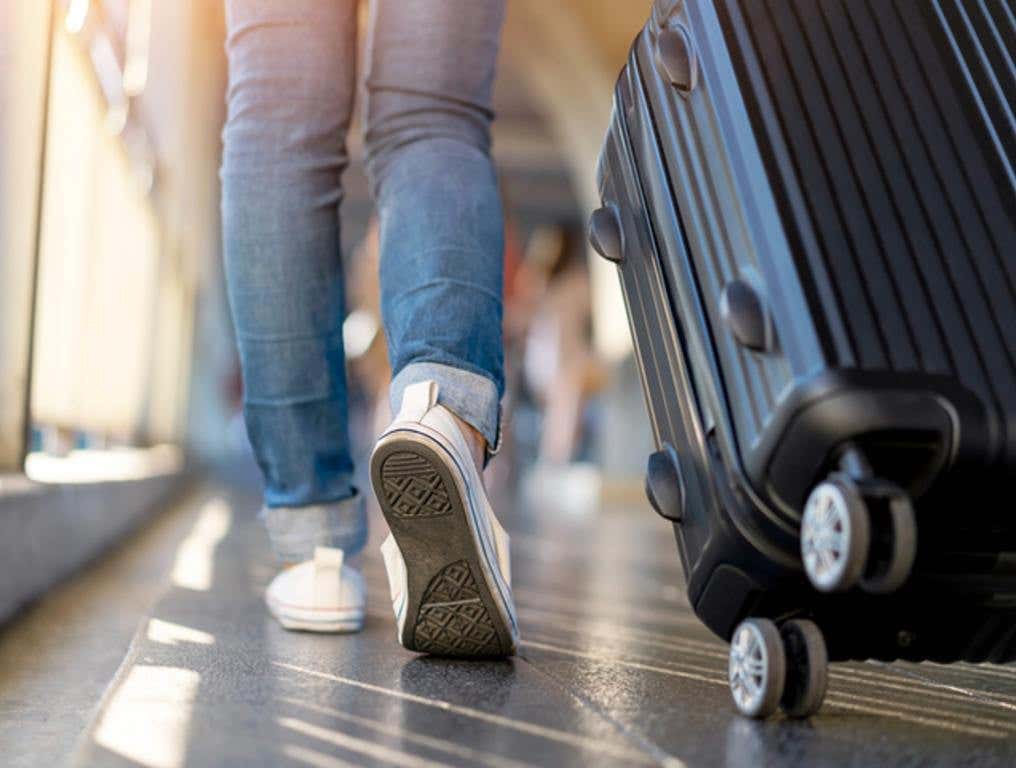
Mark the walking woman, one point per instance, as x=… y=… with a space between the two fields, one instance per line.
x=292 y=82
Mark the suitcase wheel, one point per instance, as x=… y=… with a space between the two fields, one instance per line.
x=895 y=550
x=758 y=668
x=807 y=668
x=774 y=668
x=835 y=535
x=858 y=533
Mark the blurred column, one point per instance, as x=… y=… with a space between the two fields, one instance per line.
x=570 y=52
x=24 y=66
x=185 y=107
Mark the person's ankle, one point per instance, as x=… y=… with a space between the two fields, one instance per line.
x=477 y=443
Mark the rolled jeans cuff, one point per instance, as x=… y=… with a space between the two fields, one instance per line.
x=470 y=396
x=294 y=532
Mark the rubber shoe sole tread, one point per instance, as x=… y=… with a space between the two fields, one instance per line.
x=451 y=610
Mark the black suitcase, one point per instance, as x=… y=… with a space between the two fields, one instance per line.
x=812 y=206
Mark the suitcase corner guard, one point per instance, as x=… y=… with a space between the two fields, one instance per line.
x=665 y=484
x=605 y=234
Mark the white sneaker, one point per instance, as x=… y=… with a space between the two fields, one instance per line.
x=319 y=595
x=447 y=555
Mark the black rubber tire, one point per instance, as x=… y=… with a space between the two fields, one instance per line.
x=807 y=668
x=904 y=546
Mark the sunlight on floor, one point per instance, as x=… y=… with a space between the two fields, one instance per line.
x=194 y=558
x=148 y=718
x=168 y=633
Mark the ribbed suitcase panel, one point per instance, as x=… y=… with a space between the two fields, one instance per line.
x=879 y=227
x=981 y=35
x=908 y=191
x=694 y=187
x=702 y=153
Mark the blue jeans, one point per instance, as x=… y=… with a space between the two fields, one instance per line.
x=292 y=82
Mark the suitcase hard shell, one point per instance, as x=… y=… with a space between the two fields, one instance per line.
x=812 y=206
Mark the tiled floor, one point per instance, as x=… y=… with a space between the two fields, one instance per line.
x=614 y=669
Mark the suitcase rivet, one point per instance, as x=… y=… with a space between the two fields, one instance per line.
x=605 y=233
x=745 y=315
x=675 y=56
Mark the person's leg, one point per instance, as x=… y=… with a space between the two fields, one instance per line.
x=442 y=240
x=291 y=90
x=429 y=87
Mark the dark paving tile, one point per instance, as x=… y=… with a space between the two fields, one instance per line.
x=613 y=670
x=260 y=695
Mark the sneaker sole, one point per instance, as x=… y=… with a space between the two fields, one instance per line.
x=452 y=609
x=331 y=622
x=324 y=627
